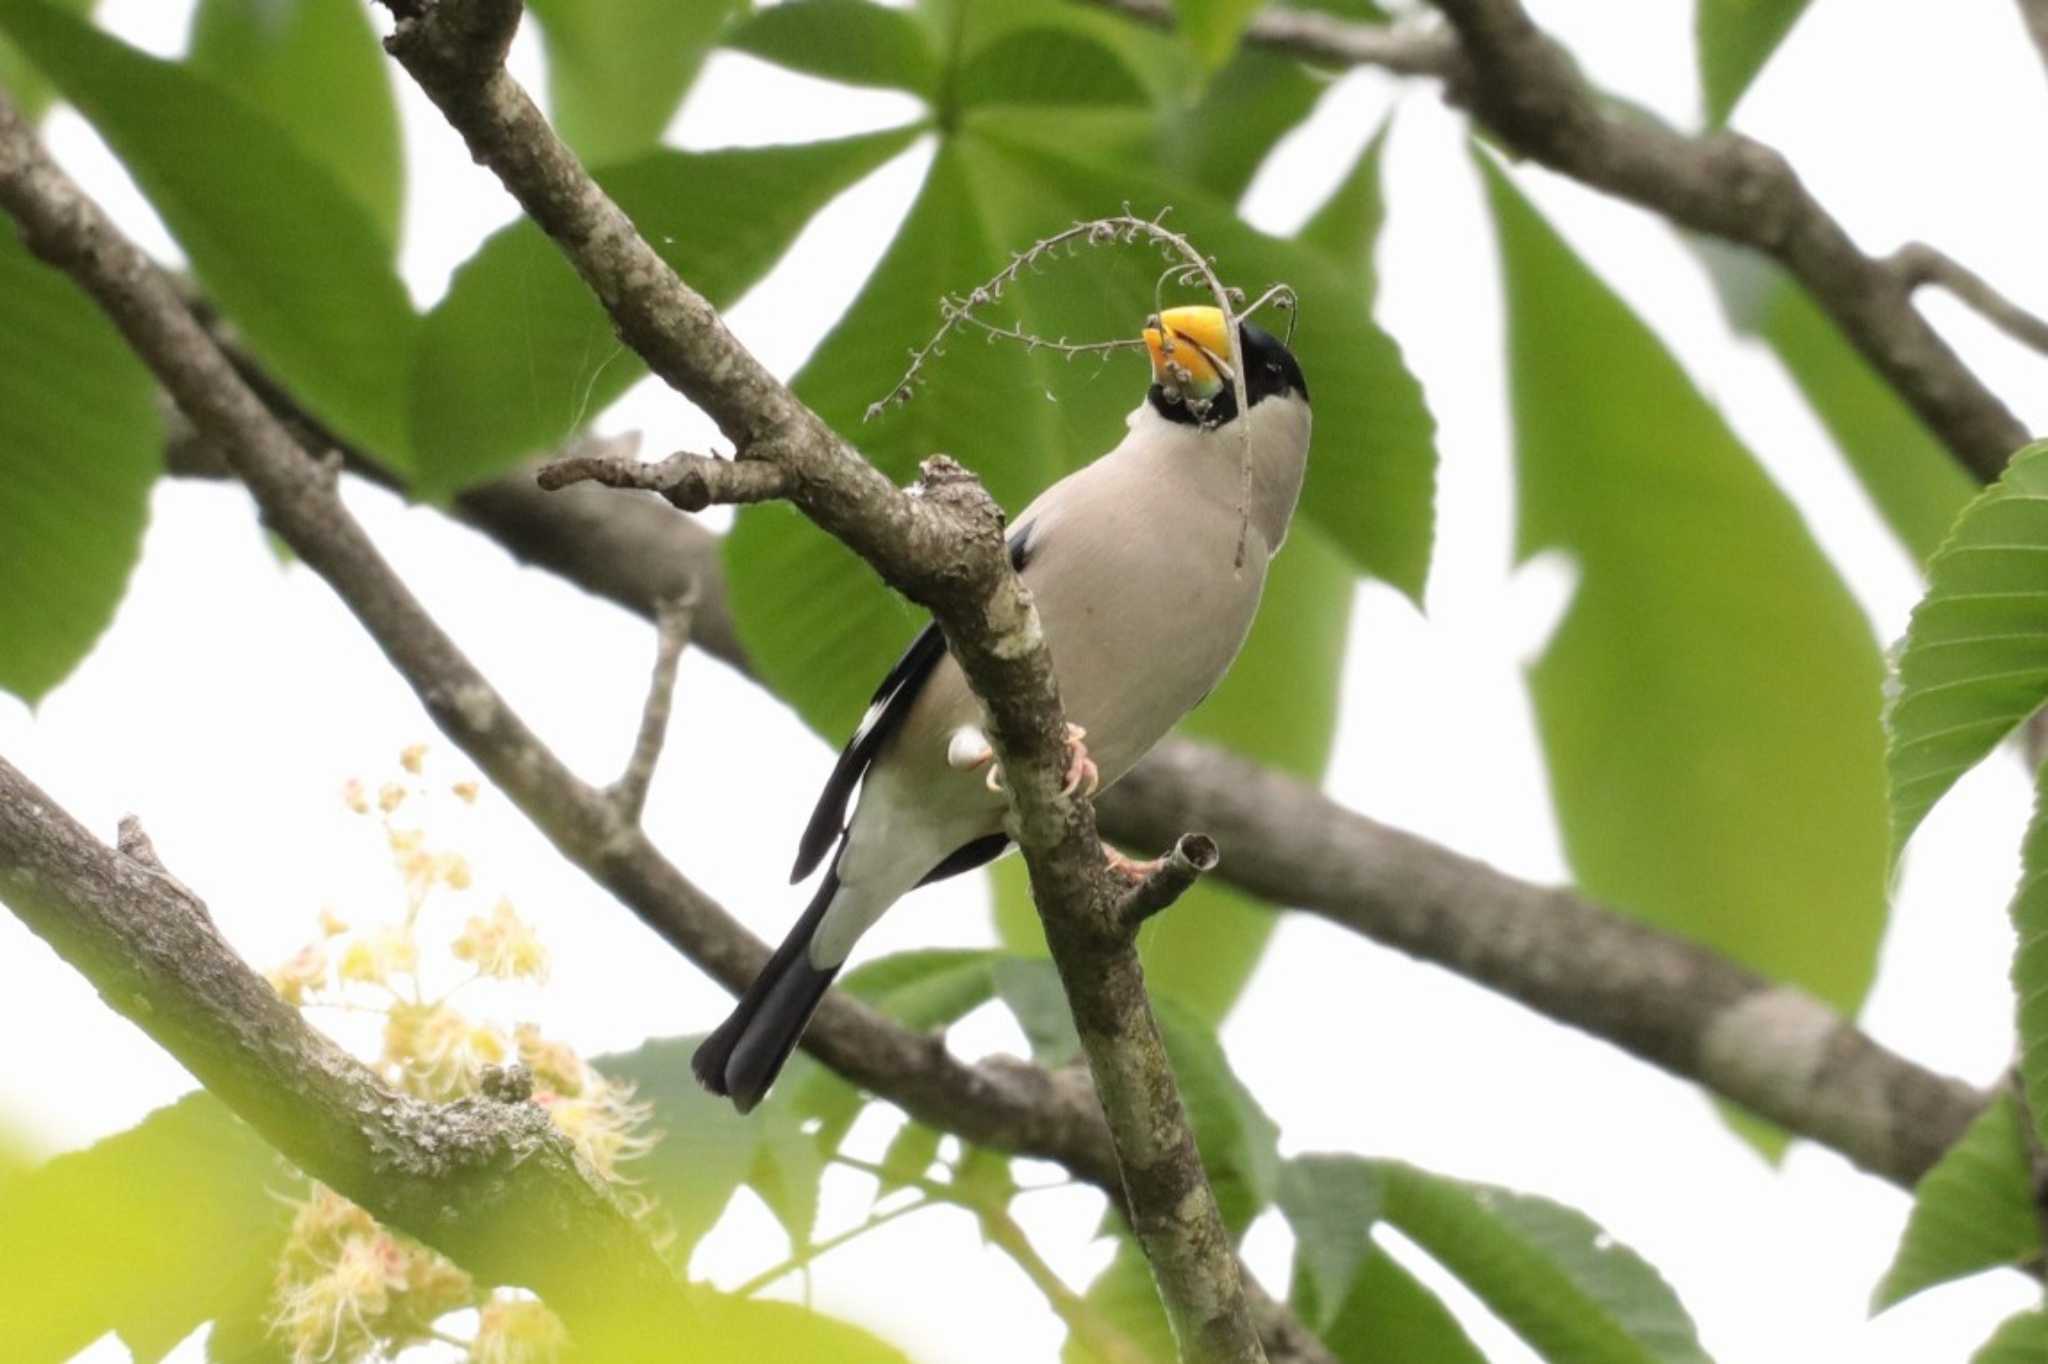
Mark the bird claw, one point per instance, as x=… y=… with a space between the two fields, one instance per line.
x=1082 y=773
x=1130 y=869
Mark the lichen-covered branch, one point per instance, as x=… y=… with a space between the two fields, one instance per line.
x=1654 y=995
x=944 y=549
x=1526 y=89
x=492 y=1184
x=672 y=633
x=1769 y=1047
x=1917 y=263
x=689 y=482
x=1529 y=94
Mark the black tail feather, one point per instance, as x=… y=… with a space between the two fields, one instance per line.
x=744 y=1054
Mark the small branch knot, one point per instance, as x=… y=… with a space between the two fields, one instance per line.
x=951 y=488
x=134 y=843
x=458 y=38
x=510 y=1084
x=1192 y=857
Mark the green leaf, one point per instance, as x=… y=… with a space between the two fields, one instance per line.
x=1975 y=662
x=2020 y=1339
x=789 y=1163
x=1736 y=38
x=1209 y=138
x=1331 y=1203
x=1567 y=1288
x=706 y=1150
x=927 y=990
x=1346 y=1288
x=1240 y=1144
x=1219 y=141
x=1347 y=226
x=909 y=1157
x=1213 y=27
x=19 y=79
x=316 y=68
x=850 y=41
x=80 y=447
x=1389 y=1315
x=1918 y=487
x=149 y=1233
x=287 y=253
x=966 y=28
x=518 y=355
x=1973 y=1211
x=1031 y=987
x=2030 y=956
x=241 y=1334
x=749 y=1328
x=617 y=69
x=1708 y=706
x=1125 y=1296
x=932 y=988
x=983 y=1177
x=1049 y=66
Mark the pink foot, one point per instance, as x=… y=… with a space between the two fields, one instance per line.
x=1128 y=868
x=1082 y=773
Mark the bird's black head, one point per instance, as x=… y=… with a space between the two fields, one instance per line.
x=1187 y=383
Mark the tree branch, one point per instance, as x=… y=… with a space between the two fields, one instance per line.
x=1916 y=264
x=1889 y=1115
x=2035 y=13
x=1654 y=995
x=945 y=547
x=492 y=1184
x=689 y=482
x=1528 y=93
x=1191 y=856
x=672 y=632
x=1326 y=40
x=1769 y=1047
x=1886 y=1113
x=941 y=547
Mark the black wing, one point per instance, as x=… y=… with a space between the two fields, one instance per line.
x=885 y=716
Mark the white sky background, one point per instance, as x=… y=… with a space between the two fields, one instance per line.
x=233 y=696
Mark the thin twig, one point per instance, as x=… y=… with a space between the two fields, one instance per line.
x=2035 y=13
x=1103 y=1338
x=691 y=482
x=1324 y=39
x=1529 y=94
x=1117 y=228
x=477 y=1179
x=1032 y=341
x=672 y=633
x=1192 y=855
x=805 y=1254
x=1917 y=263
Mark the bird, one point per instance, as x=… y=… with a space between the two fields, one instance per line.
x=1145 y=593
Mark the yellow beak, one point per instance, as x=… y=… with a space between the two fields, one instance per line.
x=1190 y=351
